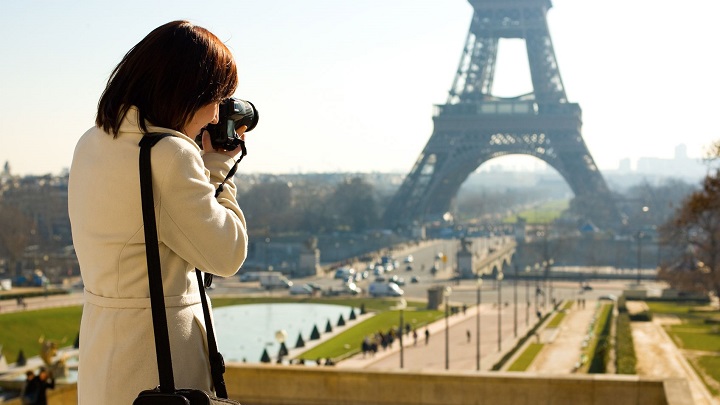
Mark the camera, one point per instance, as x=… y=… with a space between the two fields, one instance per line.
x=233 y=114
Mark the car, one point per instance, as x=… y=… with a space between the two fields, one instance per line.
x=345 y=289
x=385 y=289
x=398 y=280
x=608 y=297
x=409 y=259
x=301 y=289
x=408 y=268
x=344 y=273
x=379 y=270
x=250 y=276
x=314 y=286
x=414 y=280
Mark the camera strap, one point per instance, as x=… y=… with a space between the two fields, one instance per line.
x=160 y=326
x=234 y=168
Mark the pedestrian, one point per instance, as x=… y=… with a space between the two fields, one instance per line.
x=41 y=383
x=171 y=82
x=427 y=336
x=467 y=333
x=29 y=391
x=414 y=335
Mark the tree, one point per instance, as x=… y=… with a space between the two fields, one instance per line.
x=693 y=238
x=354 y=205
x=16 y=234
x=269 y=205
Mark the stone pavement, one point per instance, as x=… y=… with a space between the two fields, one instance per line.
x=563 y=345
x=559 y=356
x=658 y=356
x=462 y=354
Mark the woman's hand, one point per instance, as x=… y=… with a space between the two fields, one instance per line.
x=207 y=144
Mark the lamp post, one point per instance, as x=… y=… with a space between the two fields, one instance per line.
x=446 y=295
x=550 y=282
x=401 y=305
x=527 y=297
x=640 y=236
x=544 y=284
x=515 y=301
x=537 y=286
x=499 y=286
x=267 y=244
x=477 y=324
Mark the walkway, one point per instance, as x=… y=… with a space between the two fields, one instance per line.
x=462 y=353
x=658 y=356
x=563 y=345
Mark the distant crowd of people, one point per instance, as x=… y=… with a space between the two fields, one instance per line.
x=35 y=390
x=384 y=340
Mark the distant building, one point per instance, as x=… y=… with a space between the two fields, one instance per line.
x=680 y=166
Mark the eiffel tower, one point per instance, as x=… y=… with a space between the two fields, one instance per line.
x=474 y=126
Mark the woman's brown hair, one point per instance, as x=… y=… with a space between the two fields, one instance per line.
x=175 y=70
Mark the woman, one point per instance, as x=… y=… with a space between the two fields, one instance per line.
x=171 y=82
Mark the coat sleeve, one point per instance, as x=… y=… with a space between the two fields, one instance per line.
x=209 y=233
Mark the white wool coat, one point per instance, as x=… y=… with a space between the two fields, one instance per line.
x=195 y=229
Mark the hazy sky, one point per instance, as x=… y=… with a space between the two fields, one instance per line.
x=345 y=85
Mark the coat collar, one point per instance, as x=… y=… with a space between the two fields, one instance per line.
x=130 y=126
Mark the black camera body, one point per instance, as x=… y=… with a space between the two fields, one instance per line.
x=234 y=113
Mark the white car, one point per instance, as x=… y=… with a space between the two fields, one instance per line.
x=301 y=289
x=380 y=289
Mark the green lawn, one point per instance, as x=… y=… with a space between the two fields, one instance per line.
x=695 y=334
x=526 y=358
x=544 y=214
x=348 y=342
x=711 y=366
x=22 y=330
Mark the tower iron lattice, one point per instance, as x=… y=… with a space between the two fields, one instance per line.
x=474 y=126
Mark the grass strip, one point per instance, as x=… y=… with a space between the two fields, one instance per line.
x=599 y=346
x=625 y=360
x=526 y=358
x=557 y=319
x=349 y=341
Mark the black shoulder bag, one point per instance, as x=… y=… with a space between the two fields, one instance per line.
x=166 y=393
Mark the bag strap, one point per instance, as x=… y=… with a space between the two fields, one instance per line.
x=157 y=301
x=157 y=296
x=217 y=363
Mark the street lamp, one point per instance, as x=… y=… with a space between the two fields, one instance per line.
x=446 y=295
x=550 y=289
x=477 y=324
x=499 y=286
x=515 y=301
x=640 y=236
x=401 y=305
x=537 y=286
x=527 y=296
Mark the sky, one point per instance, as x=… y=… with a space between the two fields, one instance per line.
x=349 y=86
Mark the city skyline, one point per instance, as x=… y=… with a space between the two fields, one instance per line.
x=349 y=87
